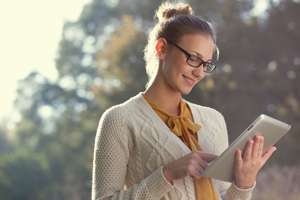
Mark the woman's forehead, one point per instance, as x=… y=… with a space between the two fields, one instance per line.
x=200 y=44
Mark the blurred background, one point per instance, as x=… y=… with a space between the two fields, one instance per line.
x=64 y=62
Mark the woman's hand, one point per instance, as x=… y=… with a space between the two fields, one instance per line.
x=250 y=161
x=192 y=164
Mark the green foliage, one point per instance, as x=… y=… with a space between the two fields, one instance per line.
x=23 y=175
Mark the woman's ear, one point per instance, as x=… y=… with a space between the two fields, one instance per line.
x=161 y=48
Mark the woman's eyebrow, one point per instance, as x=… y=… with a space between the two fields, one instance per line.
x=198 y=54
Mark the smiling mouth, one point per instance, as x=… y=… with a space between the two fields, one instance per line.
x=189 y=80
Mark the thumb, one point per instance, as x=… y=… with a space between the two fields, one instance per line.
x=268 y=153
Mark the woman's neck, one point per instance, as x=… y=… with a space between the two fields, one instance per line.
x=164 y=96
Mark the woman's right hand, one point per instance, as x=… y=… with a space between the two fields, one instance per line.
x=192 y=164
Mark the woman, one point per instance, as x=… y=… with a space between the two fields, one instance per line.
x=156 y=144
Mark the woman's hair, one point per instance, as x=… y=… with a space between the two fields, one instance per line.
x=174 y=21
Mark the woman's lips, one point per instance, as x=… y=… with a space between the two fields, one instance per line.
x=189 y=80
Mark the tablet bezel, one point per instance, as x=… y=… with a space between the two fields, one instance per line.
x=272 y=130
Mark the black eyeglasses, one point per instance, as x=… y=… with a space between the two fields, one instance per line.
x=196 y=61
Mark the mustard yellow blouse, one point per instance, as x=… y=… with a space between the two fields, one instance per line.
x=184 y=127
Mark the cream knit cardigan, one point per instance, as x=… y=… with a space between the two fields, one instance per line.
x=132 y=145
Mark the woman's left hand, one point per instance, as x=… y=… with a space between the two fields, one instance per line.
x=250 y=161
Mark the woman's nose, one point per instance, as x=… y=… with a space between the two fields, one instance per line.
x=198 y=72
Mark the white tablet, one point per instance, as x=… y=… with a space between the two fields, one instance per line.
x=272 y=129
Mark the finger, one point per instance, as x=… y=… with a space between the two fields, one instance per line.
x=255 y=147
x=202 y=163
x=207 y=156
x=261 y=145
x=268 y=154
x=199 y=160
x=248 y=150
x=200 y=171
x=238 y=161
x=191 y=171
x=195 y=171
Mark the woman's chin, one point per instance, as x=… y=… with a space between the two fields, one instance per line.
x=186 y=90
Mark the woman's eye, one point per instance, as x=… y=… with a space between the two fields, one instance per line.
x=194 y=58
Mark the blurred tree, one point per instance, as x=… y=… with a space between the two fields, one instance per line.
x=5 y=145
x=23 y=175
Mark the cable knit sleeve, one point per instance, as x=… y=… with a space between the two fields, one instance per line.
x=111 y=154
x=227 y=190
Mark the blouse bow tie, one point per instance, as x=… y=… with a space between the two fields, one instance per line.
x=180 y=124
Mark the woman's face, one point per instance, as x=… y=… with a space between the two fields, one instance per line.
x=179 y=75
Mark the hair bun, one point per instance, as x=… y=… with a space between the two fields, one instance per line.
x=168 y=10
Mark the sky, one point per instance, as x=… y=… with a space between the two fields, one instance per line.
x=29 y=38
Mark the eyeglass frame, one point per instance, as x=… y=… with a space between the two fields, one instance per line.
x=202 y=62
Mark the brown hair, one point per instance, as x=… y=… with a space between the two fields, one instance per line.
x=174 y=21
